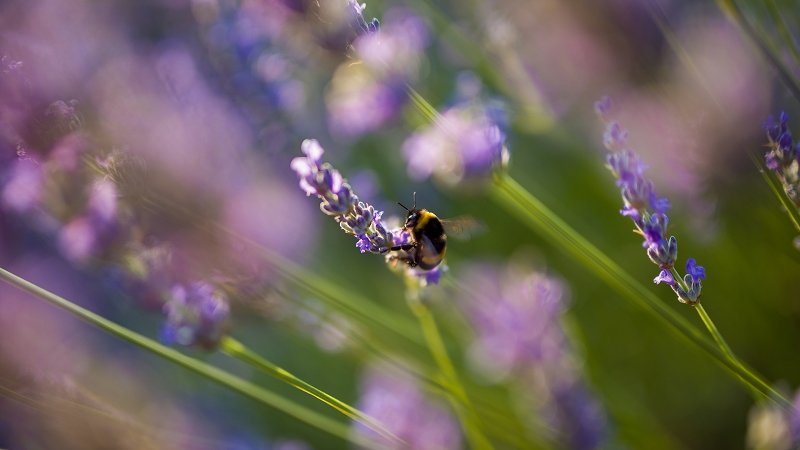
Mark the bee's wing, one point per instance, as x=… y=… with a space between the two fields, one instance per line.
x=463 y=227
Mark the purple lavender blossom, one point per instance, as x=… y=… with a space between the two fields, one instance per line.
x=517 y=318
x=665 y=276
x=338 y=200
x=364 y=97
x=647 y=210
x=783 y=155
x=196 y=315
x=323 y=180
x=464 y=144
x=399 y=403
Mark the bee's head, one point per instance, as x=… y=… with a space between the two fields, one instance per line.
x=413 y=213
x=412 y=218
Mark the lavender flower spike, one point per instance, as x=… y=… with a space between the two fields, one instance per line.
x=783 y=156
x=647 y=210
x=338 y=200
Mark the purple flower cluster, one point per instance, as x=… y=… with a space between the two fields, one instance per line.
x=399 y=403
x=647 y=210
x=338 y=200
x=517 y=320
x=783 y=156
x=196 y=315
x=466 y=143
x=519 y=337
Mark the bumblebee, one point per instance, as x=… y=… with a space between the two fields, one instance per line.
x=428 y=238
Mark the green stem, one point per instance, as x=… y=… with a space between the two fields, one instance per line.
x=712 y=329
x=775 y=186
x=237 y=350
x=461 y=401
x=722 y=344
x=541 y=219
x=213 y=373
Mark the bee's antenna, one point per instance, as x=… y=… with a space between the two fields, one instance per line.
x=415 y=204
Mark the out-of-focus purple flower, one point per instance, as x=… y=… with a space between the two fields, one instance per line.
x=196 y=315
x=603 y=106
x=516 y=319
x=23 y=190
x=85 y=235
x=770 y=426
x=399 y=403
x=614 y=137
x=647 y=210
x=464 y=144
x=783 y=156
x=359 y=103
x=396 y=50
x=578 y=417
x=519 y=337
x=364 y=97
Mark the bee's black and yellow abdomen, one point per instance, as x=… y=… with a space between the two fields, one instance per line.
x=428 y=233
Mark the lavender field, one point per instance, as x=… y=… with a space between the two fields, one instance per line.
x=410 y=224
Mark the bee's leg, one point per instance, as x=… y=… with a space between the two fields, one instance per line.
x=407 y=254
x=406 y=247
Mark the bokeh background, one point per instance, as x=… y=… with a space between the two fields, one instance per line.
x=132 y=133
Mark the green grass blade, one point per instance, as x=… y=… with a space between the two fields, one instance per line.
x=450 y=380
x=233 y=382
x=239 y=351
